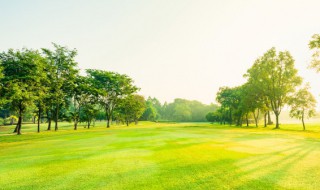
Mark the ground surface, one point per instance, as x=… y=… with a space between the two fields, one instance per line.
x=161 y=156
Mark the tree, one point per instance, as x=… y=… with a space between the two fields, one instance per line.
x=63 y=73
x=213 y=116
x=314 y=44
x=150 y=113
x=302 y=105
x=112 y=88
x=23 y=71
x=131 y=108
x=252 y=100
x=84 y=96
x=230 y=99
x=276 y=78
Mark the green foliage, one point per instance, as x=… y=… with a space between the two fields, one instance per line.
x=23 y=71
x=112 y=87
x=314 y=45
x=213 y=116
x=131 y=108
x=302 y=104
x=275 y=76
x=62 y=73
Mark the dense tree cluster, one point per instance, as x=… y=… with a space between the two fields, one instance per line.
x=272 y=83
x=179 y=110
x=47 y=84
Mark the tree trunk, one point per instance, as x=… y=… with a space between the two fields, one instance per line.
x=89 y=122
x=49 y=124
x=247 y=119
x=57 y=117
x=19 y=122
x=16 y=129
x=19 y=126
x=302 y=119
x=39 y=116
x=265 y=119
x=277 y=121
x=256 y=117
x=108 y=119
x=269 y=119
x=75 y=125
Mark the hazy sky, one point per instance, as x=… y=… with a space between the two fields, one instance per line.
x=172 y=48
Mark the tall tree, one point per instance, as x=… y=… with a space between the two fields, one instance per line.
x=62 y=76
x=275 y=76
x=112 y=88
x=302 y=105
x=23 y=72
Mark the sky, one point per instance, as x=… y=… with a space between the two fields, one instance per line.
x=171 y=48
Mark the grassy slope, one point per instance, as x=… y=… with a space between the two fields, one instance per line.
x=161 y=156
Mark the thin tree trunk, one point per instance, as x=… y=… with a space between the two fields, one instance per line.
x=19 y=122
x=39 y=116
x=256 y=117
x=277 y=121
x=265 y=119
x=302 y=119
x=247 y=119
x=269 y=119
x=75 y=125
x=49 y=124
x=16 y=128
x=57 y=117
x=19 y=126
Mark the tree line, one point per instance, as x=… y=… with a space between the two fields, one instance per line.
x=180 y=110
x=46 y=86
x=272 y=83
x=47 y=83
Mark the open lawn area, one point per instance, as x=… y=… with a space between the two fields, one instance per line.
x=161 y=156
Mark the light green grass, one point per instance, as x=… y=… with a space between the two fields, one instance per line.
x=161 y=156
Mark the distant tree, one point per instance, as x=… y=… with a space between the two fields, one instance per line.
x=182 y=111
x=213 y=116
x=229 y=99
x=150 y=113
x=302 y=105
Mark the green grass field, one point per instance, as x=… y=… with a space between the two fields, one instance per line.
x=161 y=156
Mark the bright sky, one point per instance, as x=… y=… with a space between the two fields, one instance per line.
x=171 y=48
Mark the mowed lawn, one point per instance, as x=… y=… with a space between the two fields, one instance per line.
x=161 y=156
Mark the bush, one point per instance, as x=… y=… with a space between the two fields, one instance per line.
x=1 y=121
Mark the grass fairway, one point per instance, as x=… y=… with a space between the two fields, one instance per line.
x=161 y=156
